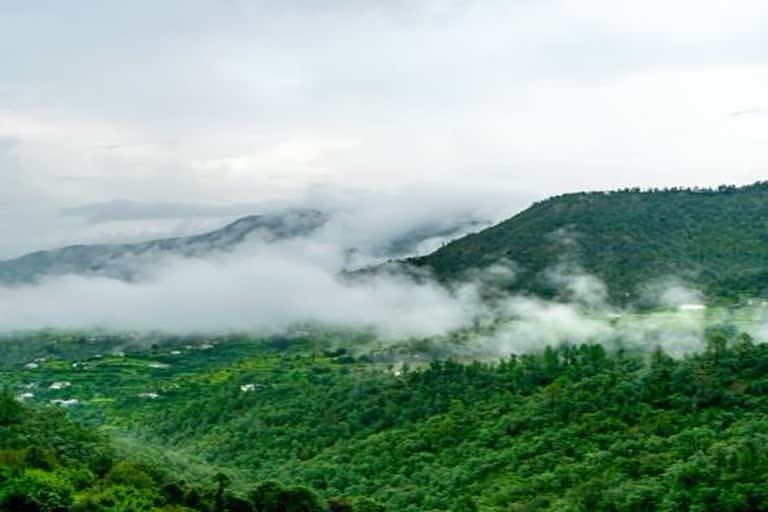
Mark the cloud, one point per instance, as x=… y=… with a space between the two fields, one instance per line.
x=125 y=210
x=750 y=112
x=403 y=118
x=376 y=224
x=407 y=220
x=670 y=291
x=274 y=288
x=249 y=102
x=266 y=289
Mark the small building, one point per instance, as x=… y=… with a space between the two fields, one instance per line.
x=60 y=385
x=65 y=403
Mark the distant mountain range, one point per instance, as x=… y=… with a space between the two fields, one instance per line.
x=131 y=260
x=126 y=261
x=713 y=239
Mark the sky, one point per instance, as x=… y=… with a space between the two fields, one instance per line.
x=121 y=120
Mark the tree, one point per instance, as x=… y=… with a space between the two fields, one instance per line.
x=11 y=411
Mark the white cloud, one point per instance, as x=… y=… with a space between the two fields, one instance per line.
x=266 y=289
x=253 y=101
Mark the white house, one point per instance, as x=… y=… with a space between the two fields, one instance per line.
x=66 y=403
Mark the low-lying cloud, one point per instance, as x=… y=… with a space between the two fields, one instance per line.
x=264 y=288
x=271 y=288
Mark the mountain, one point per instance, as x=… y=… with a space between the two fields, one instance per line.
x=425 y=238
x=124 y=261
x=129 y=261
x=713 y=239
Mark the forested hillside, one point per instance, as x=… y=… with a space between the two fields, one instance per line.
x=714 y=239
x=575 y=428
x=48 y=463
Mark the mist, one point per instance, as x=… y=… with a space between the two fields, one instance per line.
x=270 y=288
x=263 y=288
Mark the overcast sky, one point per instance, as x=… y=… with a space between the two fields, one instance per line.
x=182 y=110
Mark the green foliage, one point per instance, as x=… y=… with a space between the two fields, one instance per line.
x=50 y=464
x=713 y=238
x=272 y=496
x=10 y=411
x=36 y=491
x=572 y=428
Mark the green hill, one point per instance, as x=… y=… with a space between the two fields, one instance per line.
x=714 y=239
x=573 y=428
x=49 y=463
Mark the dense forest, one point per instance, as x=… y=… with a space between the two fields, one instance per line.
x=573 y=427
x=49 y=463
x=714 y=239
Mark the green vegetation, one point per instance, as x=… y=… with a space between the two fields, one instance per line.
x=715 y=239
x=572 y=428
x=48 y=463
x=334 y=422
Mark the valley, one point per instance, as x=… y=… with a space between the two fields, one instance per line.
x=500 y=386
x=575 y=426
x=404 y=256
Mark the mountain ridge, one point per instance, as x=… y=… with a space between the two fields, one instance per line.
x=128 y=261
x=119 y=260
x=713 y=239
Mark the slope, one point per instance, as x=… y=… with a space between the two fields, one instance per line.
x=48 y=463
x=571 y=428
x=716 y=239
x=125 y=261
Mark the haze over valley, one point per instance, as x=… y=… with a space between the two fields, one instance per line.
x=417 y=256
